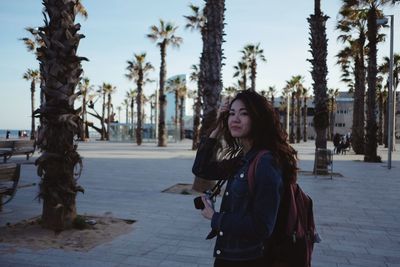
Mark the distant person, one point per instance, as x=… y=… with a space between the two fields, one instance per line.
x=336 y=143
x=19 y=134
x=8 y=134
x=248 y=125
x=344 y=144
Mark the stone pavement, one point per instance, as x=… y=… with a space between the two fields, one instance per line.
x=357 y=215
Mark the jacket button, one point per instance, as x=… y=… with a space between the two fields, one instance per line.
x=241 y=175
x=227 y=193
x=221 y=233
x=218 y=252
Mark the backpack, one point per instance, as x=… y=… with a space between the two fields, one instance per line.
x=292 y=240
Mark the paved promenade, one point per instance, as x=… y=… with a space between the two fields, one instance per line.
x=357 y=215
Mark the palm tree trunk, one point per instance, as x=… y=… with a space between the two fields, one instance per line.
x=357 y=136
x=385 y=122
x=244 y=81
x=196 y=120
x=305 y=120
x=380 y=118
x=84 y=126
x=127 y=114
x=108 y=116
x=371 y=141
x=60 y=121
x=162 y=130
x=210 y=72
x=291 y=137
x=139 y=104
x=33 y=127
x=319 y=44
x=103 y=111
x=332 y=120
x=132 y=117
x=298 y=122
x=181 y=121
x=253 y=76
x=176 y=119
x=139 y=124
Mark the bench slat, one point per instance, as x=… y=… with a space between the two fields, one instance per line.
x=10 y=173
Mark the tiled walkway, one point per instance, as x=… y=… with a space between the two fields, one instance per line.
x=357 y=215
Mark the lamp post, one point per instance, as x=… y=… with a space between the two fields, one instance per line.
x=384 y=21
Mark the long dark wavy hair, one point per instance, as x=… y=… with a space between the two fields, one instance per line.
x=266 y=133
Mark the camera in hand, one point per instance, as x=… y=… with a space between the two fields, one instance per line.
x=209 y=195
x=198 y=202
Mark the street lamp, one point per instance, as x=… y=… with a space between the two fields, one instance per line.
x=384 y=21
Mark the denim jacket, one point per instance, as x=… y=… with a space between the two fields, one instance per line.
x=245 y=219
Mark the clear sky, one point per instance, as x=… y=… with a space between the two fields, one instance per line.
x=117 y=29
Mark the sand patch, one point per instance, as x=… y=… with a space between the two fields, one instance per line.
x=30 y=234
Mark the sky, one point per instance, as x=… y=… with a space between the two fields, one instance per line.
x=117 y=29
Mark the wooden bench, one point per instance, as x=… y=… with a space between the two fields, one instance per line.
x=16 y=147
x=24 y=147
x=9 y=176
x=6 y=148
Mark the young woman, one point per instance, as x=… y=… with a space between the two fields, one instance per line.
x=246 y=218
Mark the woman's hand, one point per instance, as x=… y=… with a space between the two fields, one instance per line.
x=223 y=108
x=208 y=210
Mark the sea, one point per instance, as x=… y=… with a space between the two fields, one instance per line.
x=13 y=133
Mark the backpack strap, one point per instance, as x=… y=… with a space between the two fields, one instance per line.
x=252 y=170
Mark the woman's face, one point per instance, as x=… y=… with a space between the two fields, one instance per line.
x=239 y=121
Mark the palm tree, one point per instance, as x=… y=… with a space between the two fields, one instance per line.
x=271 y=94
x=230 y=91
x=384 y=69
x=131 y=95
x=241 y=71
x=110 y=89
x=34 y=77
x=319 y=72
x=164 y=35
x=138 y=70
x=178 y=87
x=119 y=108
x=251 y=53
x=305 y=113
x=125 y=103
x=371 y=144
x=211 y=62
x=85 y=88
x=353 y=25
x=194 y=77
x=292 y=86
x=60 y=121
x=31 y=45
x=372 y=14
x=298 y=95
x=182 y=94
x=385 y=109
x=284 y=107
x=210 y=71
x=380 y=98
x=102 y=91
x=332 y=94
x=197 y=21
x=36 y=41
